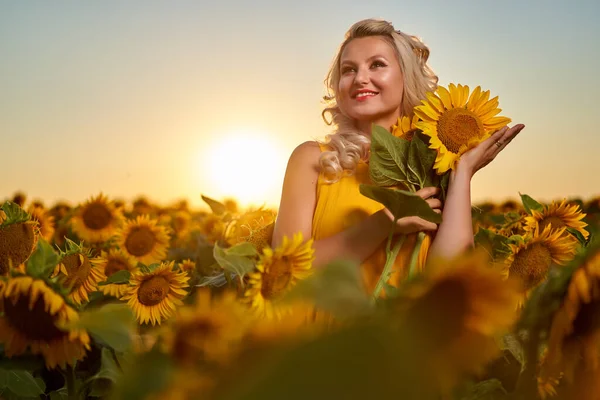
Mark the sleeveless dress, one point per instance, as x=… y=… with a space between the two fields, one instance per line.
x=340 y=205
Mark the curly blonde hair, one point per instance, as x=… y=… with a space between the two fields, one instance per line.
x=349 y=145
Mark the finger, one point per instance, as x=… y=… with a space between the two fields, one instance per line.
x=434 y=203
x=507 y=137
x=428 y=192
x=429 y=226
x=437 y=210
x=489 y=142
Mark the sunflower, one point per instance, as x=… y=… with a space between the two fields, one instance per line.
x=575 y=330
x=246 y=224
x=81 y=276
x=96 y=220
x=17 y=242
x=143 y=239
x=456 y=122
x=213 y=227
x=45 y=221
x=188 y=266
x=180 y=222
x=278 y=271
x=558 y=216
x=471 y=302
x=209 y=331
x=110 y=262
x=531 y=259
x=31 y=314
x=405 y=127
x=153 y=296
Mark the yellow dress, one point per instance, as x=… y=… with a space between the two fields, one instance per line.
x=340 y=205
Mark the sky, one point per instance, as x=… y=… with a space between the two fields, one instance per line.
x=172 y=100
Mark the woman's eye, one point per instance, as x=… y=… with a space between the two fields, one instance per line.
x=377 y=64
x=346 y=70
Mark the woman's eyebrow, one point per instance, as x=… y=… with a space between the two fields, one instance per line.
x=346 y=61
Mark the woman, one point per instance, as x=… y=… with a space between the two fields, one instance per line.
x=378 y=75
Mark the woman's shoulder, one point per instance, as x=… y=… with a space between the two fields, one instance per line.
x=308 y=154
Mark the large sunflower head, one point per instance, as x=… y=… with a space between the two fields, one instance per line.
x=241 y=228
x=575 y=330
x=208 y=331
x=531 y=259
x=144 y=239
x=154 y=294
x=45 y=221
x=455 y=309
x=456 y=122
x=18 y=237
x=31 y=313
x=405 y=127
x=96 y=220
x=557 y=215
x=111 y=261
x=278 y=271
x=79 y=274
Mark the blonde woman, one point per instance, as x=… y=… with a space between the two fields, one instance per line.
x=378 y=74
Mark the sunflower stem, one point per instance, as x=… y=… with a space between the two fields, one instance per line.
x=526 y=387
x=389 y=262
x=414 y=257
x=70 y=383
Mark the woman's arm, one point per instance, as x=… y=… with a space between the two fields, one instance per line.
x=297 y=206
x=455 y=233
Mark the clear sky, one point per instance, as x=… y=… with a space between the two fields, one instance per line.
x=142 y=97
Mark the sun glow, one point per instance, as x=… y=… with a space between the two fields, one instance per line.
x=246 y=165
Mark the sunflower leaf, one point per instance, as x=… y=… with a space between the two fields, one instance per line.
x=578 y=236
x=530 y=204
x=14 y=213
x=109 y=371
x=217 y=208
x=401 y=203
x=243 y=250
x=387 y=162
x=118 y=277
x=494 y=244
x=336 y=288
x=43 y=260
x=420 y=161
x=234 y=263
x=21 y=383
x=111 y=324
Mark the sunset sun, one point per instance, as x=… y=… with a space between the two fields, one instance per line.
x=247 y=165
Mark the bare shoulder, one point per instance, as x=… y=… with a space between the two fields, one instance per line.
x=307 y=154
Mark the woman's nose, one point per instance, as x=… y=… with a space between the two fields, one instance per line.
x=362 y=76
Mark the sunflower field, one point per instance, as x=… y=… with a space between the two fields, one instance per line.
x=132 y=300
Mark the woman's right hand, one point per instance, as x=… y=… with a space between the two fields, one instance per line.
x=413 y=224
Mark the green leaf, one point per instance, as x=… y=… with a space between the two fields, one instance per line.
x=389 y=154
x=22 y=383
x=420 y=161
x=151 y=374
x=578 y=236
x=108 y=374
x=510 y=343
x=496 y=245
x=243 y=250
x=336 y=287
x=401 y=203
x=43 y=260
x=60 y=394
x=216 y=207
x=22 y=362
x=444 y=182
x=111 y=324
x=530 y=204
x=234 y=263
x=14 y=213
x=118 y=277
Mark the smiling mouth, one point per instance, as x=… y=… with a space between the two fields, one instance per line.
x=365 y=95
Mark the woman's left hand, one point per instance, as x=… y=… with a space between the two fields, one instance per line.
x=483 y=154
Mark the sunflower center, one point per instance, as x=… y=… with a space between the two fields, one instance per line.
x=276 y=279
x=96 y=216
x=531 y=264
x=140 y=241
x=457 y=126
x=114 y=265
x=16 y=244
x=153 y=291
x=556 y=223
x=78 y=270
x=34 y=323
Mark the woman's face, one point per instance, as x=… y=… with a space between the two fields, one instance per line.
x=371 y=82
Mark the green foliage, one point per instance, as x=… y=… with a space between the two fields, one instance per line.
x=530 y=204
x=420 y=162
x=401 y=203
x=43 y=260
x=235 y=260
x=14 y=213
x=387 y=163
x=108 y=374
x=217 y=208
x=336 y=287
x=21 y=383
x=110 y=324
x=119 y=277
x=580 y=238
x=491 y=241
x=151 y=373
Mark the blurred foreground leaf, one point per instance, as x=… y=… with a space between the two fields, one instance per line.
x=150 y=373
x=43 y=260
x=21 y=383
x=401 y=203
